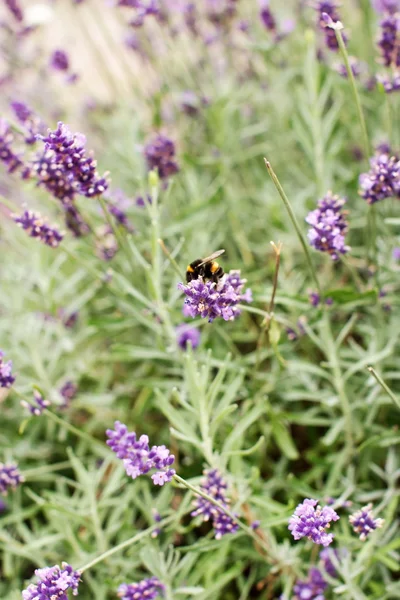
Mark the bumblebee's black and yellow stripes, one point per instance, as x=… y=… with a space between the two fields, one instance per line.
x=207 y=268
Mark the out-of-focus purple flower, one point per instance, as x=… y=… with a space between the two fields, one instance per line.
x=185 y=334
x=396 y=253
x=390 y=84
x=53 y=583
x=328 y=226
x=211 y=300
x=312 y=588
x=137 y=456
x=74 y=162
x=140 y=201
x=266 y=16
x=160 y=155
x=329 y=8
x=10 y=478
x=310 y=520
x=386 y=6
x=32 y=124
x=382 y=180
x=314 y=298
x=74 y=221
x=355 y=65
x=53 y=176
x=157 y=518
x=68 y=392
x=59 y=60
x=327 y=555
x=190 y=103
x=148 y=589
x=6 y=376
x=220 y=12
x=38 y=406
x=36 y=226
x=389 y=40
x=118 y=205
x=68 y=319
x=106 y=243
x=7 y=154
x=214 y=485
x=15 y=9
x=363 y=522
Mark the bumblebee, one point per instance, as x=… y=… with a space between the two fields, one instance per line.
x=206 y=268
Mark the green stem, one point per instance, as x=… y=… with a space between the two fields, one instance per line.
x=384 y=386
x=248 y=530
x=331 y=352
x=295 y=224
x=132 y=540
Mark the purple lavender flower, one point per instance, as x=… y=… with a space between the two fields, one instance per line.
x=7 y=155
x=328 y=7
x=53 y=176
x=15 y=9
x=106 y=243
x=314 y=298
x=389 y=40
x=59 y=60
x=68 y=392
x=312 y=588
x=38 y=406
x=140 y=201
x=137 y=457
x=32 y=124
x=308 y=521
x=74 y=221
x=382 y=180
x=190 y=103
x=255 y=524
x=68 y=319
x=386 y=6
x=390 y=84
x=6 y=376
x=160 y=155
x=73 y=161
x=118 y=209
x=266 y=16
x=396 y=253
x=157 y=518
x=53 y=583
x=212 y=300
x=363 y=522
x=326 y=557
x=185 y=334
x=10 y=478
x=37 y=227
x=148 y=589
x=355 y=65
x=214 y=485
x=328 y=226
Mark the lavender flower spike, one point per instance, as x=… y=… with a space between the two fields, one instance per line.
x=160 y=155
x=312 y=588
x=310 y=520
x=37 y=227
x=38 y=406
x=211 y=300
x=53 y=583
x=185 y=334
x=363 y=522
x=148 y=589
x=6 y=376
x=214 y=485
x=137 y=457
x=382 y=180
x=328 y=16
x=10 y=478
x=328 y=226
x=7 y=155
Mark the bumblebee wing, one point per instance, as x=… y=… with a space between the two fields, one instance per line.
x=212 y=257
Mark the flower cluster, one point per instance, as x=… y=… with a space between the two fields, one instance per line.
x=329 y=8
x=214 y=485
x=160 y=155
x=59 y=60
x=312 y=588
x=185 y=334
x=310 y=520
x=211 y=300
x=137 y=457
x=390 y=84
x=37 y=408
x=6 y=376
x=328 y=226
x=363 y=522
x=386 y=6
x=382 y=180
x=37 y=227
x=148 y=589
x=15 y=9
x=389 y=40
x=266 y=16
x=29 y=120
x=53 y=583
x=7 y=154
x=10 y=478
x=68 y=392
x=76 y=165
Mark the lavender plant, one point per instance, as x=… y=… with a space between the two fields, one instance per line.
x=269 y=390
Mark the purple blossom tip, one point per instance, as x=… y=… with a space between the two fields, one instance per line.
x=310 y=520
x=147 y=589
x=328 y=20
x=160 y=155
x=137 y=456
x=328 y=226
x=59 y=60
x=364 y=522
x=10 y=478
x=186 y=334
x=312 y=588
x=53 y=583
x=37 y=227
x=38 y=406
x=6 y=377
x=382 y=180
